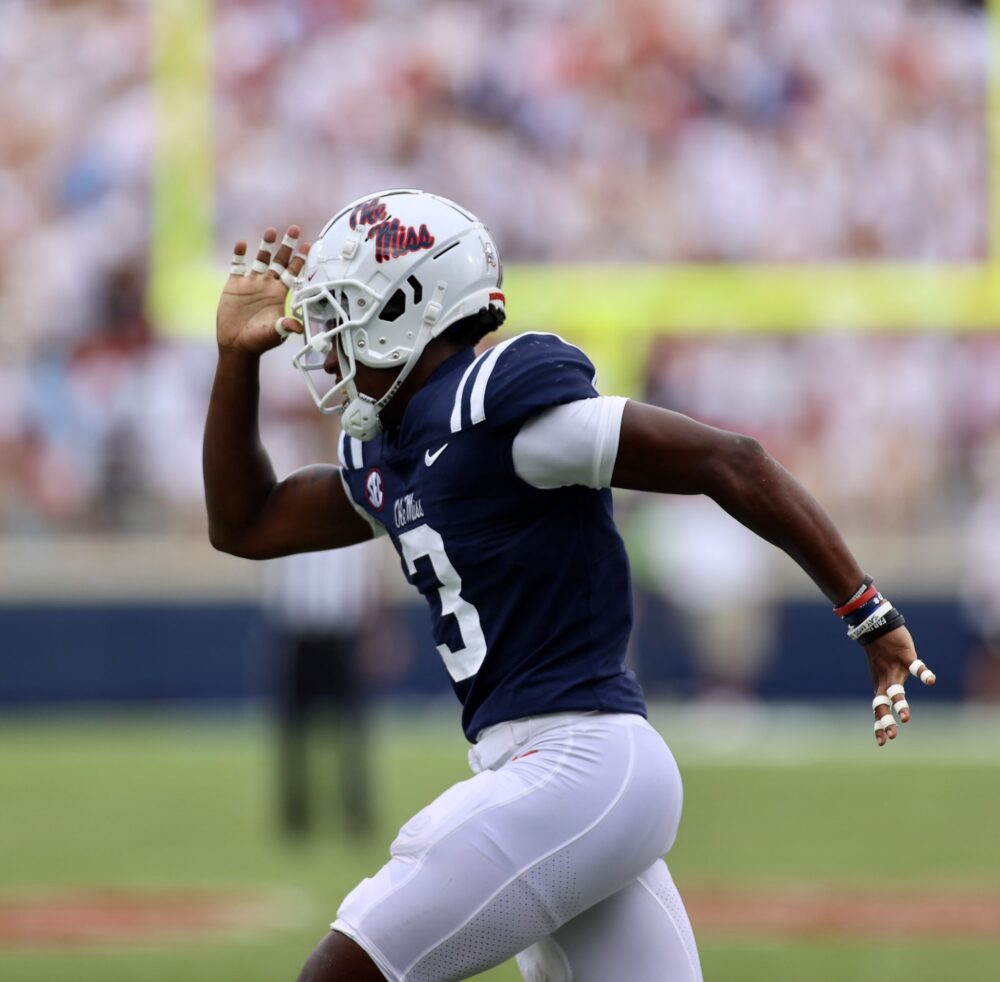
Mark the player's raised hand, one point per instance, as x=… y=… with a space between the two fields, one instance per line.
x=252 y=306
x=892 y=658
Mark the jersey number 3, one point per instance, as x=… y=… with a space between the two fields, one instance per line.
x=465 y=662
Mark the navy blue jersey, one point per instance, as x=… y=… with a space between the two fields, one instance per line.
x=529 y=590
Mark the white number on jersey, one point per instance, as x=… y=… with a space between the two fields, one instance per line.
x=424 y=541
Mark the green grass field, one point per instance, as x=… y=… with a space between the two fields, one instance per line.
x=771 y=800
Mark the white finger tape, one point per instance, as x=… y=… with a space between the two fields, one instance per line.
x=238 y=269
x=895 y=690
x=267 y=247
x=276 y=268
x=290 y=240
x=921 y=671
x=279 y=327
x=259 y=266
x=881 y=701
x=288 y=279
x=884 y=722
x=901 y=705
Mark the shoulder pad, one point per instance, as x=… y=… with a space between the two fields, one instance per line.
x=519 y=378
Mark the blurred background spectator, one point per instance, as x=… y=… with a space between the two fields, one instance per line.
x=317 y=605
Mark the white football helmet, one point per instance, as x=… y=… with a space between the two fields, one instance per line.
x=388 y=273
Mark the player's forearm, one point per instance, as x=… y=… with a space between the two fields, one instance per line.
x=758 y=492
x=238 y=474
x=667 y=452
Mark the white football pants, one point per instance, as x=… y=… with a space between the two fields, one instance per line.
x=551 y=853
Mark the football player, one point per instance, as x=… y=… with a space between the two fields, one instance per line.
x=491 y=474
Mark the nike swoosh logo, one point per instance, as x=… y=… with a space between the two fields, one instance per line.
x=429 y=457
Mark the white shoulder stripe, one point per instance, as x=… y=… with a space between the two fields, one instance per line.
x=456 y=410
x=477 y=401
x=357 y=455
x=340 y=450
x=488 y=360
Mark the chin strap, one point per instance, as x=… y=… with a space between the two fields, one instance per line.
x=360 y=418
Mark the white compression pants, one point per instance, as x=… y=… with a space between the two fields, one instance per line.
x=550 y=853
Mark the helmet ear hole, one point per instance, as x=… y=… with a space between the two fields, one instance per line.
x=418 y=290
x=394 y=307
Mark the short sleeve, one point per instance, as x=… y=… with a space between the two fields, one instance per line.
x=519 y=378
x=576 y=443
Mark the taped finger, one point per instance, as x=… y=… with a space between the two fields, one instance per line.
x=884 y=722
x=263 y=256
x=276 y=268
x=919 y=670
x=289 y=279
x=282 y=331
x=880 y=701
x=238 y=266
x=297 y=261
x=897 y=695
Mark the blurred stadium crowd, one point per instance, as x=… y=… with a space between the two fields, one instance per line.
x=730 y=130
x=642 y=130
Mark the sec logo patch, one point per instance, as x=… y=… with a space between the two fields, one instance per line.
x=374 y=490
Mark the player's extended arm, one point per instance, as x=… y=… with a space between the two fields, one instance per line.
x=664 y=451
x=250 y=512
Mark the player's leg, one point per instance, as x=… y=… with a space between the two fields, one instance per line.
x=642 y=934
x=339 y=959
x=292 y=712
x=571 y=814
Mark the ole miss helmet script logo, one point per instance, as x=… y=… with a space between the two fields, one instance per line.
x=392 y=238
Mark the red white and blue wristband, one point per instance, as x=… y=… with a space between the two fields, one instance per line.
x=868 y=615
